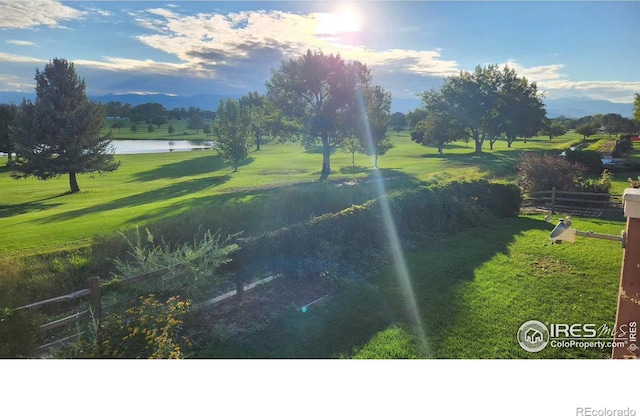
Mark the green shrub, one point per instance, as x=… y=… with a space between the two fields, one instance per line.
x=19 y=330
x=590 y=159
x=153 y=329
x=623 y=146
x=544 y=172
x=192 y=268
x=357 y=240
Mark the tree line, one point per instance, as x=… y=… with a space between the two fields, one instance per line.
x=316 y=99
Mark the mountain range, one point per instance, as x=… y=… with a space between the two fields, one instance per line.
x=567 y=107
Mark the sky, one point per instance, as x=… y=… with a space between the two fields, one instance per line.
x=570 y=49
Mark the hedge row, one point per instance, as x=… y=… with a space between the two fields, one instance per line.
x=357 y=240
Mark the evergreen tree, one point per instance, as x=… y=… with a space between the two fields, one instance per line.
x=60 y=133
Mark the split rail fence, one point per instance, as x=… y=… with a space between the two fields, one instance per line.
x=578 y=203
x=90 y=305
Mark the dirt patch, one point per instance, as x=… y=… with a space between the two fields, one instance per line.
x=259 y=306
x=545 y=266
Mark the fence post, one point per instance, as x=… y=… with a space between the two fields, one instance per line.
x=553 y=200
x=96 y=297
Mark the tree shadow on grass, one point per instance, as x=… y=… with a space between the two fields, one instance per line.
x=353 y=316
x=7 y=211
x=162 y=194
x=191 y=167
x=438 y=271
x=496 y=164
x=350 y=170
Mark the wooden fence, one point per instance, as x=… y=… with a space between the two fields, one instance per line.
x=92 y=306
x=578 y=203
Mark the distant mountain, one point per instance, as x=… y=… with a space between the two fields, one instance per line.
x=203 y=101
x=568 y=107
x=581 y=107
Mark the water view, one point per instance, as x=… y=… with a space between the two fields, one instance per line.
x=124 y=147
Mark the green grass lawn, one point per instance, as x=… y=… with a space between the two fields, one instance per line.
x=40 y=216
x=473 y=290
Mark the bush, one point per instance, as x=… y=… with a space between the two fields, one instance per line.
x=601 y=185
x=153 y=329
x=542 y=173
x=198 y=264
x=357 y=240
x=623 y=146
x=18 y=332
x=590 y=159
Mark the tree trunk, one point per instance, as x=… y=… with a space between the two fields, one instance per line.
x=440 y=150
x=375 y=160
x=258 y=141
x=491 y=142
x=478 y=146
x=326 y=154
x=478 y=141
x=353 y=159
x=73 y=183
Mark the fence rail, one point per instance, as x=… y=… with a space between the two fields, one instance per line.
x=584 y=203
x=95 y=307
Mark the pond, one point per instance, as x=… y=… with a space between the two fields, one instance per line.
x=126 y=147
x=129 y=147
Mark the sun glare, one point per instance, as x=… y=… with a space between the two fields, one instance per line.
x=342 y=21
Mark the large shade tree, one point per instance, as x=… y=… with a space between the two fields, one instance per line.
x=492 y=103
x=438 y=127
x=59 y=133
x=320 y=92
x=520 y=109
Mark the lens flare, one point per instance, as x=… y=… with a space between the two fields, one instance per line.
x=400 y=265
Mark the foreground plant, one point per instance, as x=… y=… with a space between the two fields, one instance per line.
x=191 y=268
x=153 y=329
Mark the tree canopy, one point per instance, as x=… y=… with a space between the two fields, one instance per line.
x=267 y=120
x=8 y=114
x=60 y=133
x=376 y=103
x=438 y=126
x=490 y=103
x=398 y=121
x=232 y=128
x=320 y=92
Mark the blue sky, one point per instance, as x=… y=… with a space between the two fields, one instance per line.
x=571 y=49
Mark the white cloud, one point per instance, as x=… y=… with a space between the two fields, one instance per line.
x=227 y=43
x=145 y=66
x=20 y=42
x=22 y=14
x=555 y=84
x=12 y=82
x=12 y=58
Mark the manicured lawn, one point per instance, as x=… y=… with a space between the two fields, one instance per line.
x=473 y=290
x=39 y=216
